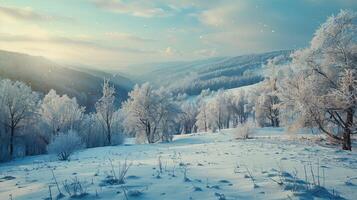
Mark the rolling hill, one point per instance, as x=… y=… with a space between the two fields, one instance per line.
x=42 y=75
x=192 y=77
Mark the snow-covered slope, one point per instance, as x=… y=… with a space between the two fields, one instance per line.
x=272 y=165
x=214 y=73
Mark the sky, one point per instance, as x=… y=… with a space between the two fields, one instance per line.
x=114 y=34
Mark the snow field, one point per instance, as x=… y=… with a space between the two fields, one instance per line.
x=271 y=165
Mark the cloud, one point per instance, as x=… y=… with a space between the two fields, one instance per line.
x=134 y=8
x=127 y=37
x=73 y=41
x=27 y=14
x=223 y=15
x=217 y=16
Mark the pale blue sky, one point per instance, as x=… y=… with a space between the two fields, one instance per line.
x=117 y=33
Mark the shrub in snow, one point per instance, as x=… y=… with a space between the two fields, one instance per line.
x=65 y=144
x=75 y=188
x=245 y=130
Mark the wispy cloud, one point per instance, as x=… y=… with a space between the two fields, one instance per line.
x=73 y=41
x=126 y=36
x=134 y=8
x=28 y=14
x=218 y=16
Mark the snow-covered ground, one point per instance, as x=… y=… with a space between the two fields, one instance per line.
x=271 y=165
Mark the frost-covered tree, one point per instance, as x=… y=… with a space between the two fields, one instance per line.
x=219 y=115
x=61 y=113
x=188 y=116
x=167 y=114
x=105 y=109
x=92 y=131
x=323 y=86
x=149 y=112
x=238 y=105
x=18 y=103
x=267 y=105
x=202 y=117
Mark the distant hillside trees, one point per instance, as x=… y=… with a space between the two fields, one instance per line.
x=223 y=82
x=223 y=110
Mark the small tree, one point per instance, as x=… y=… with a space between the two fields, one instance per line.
x=267 y=104
x=105 y=109
x=61 y=113
x=188 y=116
x=202 y=117
x=150 y=112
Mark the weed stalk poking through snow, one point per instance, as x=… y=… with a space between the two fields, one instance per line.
x=117 y=177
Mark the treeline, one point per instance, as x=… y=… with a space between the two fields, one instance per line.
x=30 y=124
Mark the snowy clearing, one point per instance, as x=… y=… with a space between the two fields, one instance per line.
x=270 y=165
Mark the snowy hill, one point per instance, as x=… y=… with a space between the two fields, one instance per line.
x=213 y=73
x=43 y=75
x=209 y=166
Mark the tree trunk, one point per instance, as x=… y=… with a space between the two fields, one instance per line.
x=109 y=134
x=276 y=122
x=12 y=133
x=148 y=133
x=205 y=126
x=346 y=142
